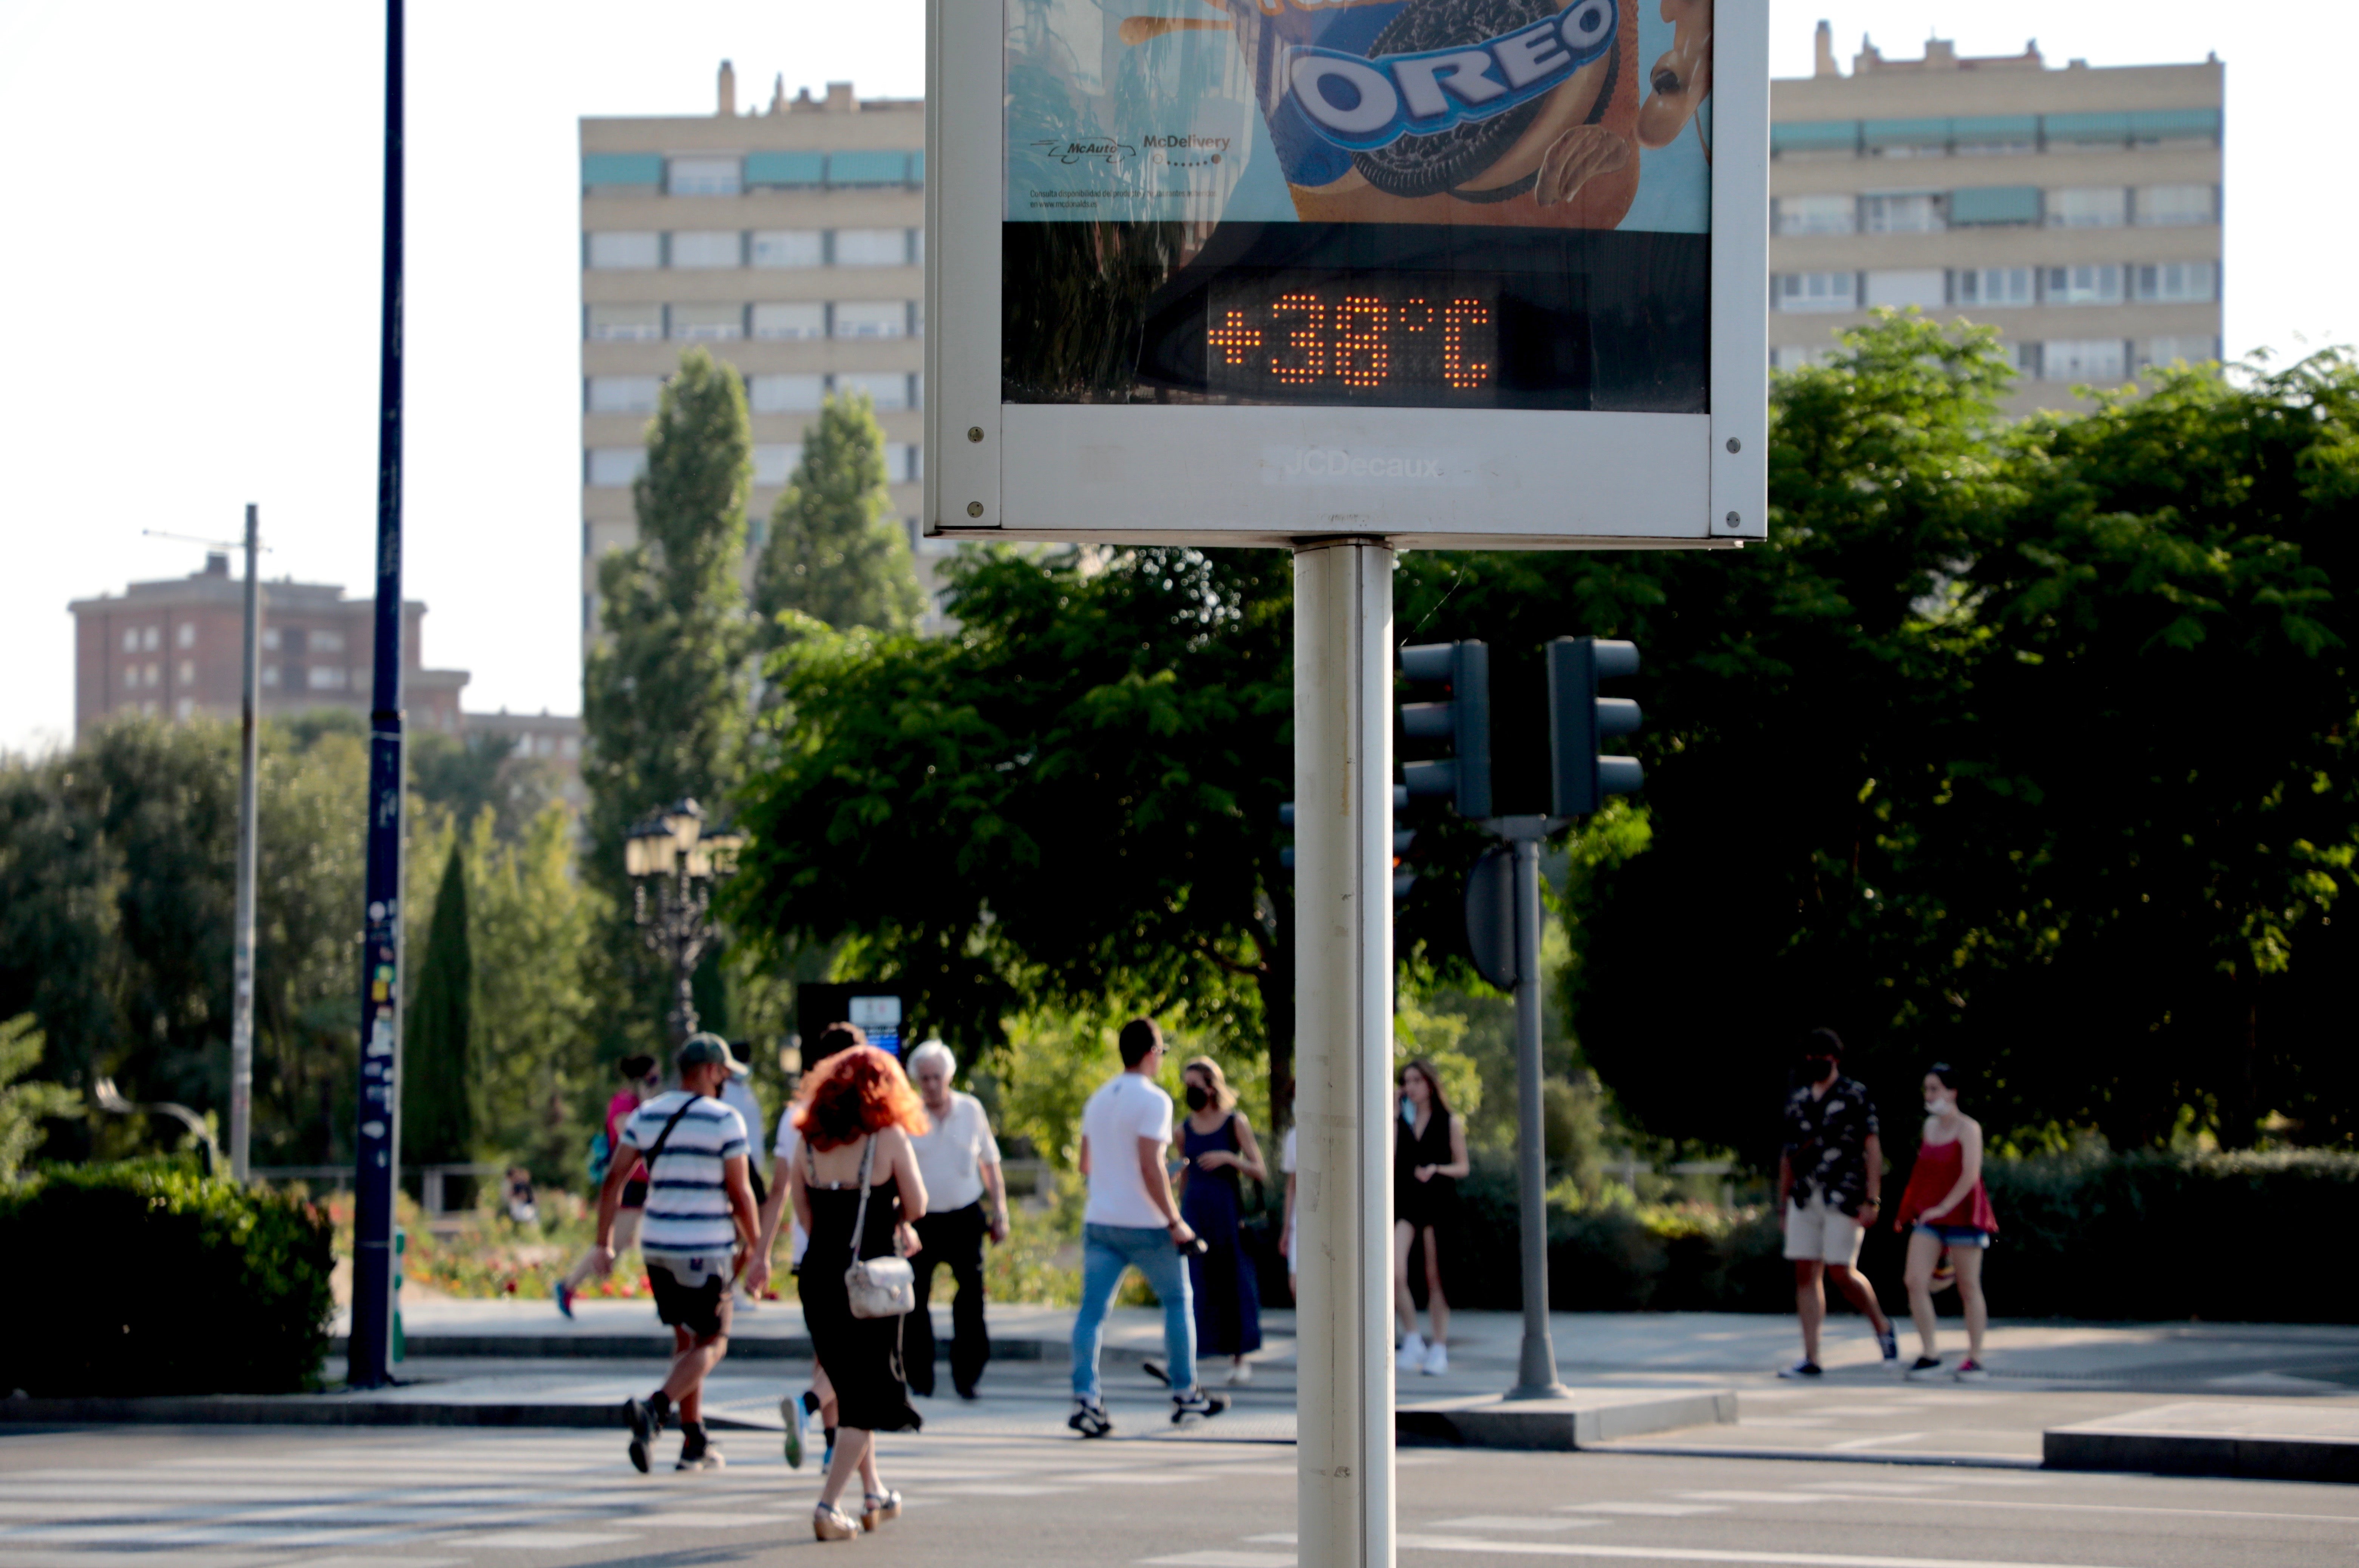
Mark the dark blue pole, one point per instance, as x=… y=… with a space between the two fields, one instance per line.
x=379 y=1125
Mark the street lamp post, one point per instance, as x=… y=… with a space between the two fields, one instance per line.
x=670 y=853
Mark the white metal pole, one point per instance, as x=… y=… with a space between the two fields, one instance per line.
x=240 y=1024
x=1536 y=1372
x=1343 y=839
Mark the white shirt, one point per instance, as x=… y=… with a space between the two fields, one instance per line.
x=1286 y=1153
x=738 y=1096
x=789 y=1141
x=1126 y=1109
x=688 y=1206
x=952 y=1156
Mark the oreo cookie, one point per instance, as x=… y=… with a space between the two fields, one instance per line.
x=1417 y=166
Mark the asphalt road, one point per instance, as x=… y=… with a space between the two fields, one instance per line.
x=449 y=1499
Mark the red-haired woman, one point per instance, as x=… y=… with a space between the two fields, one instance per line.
x=855 y=1113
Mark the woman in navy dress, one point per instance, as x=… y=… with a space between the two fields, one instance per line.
x=1217 y=1144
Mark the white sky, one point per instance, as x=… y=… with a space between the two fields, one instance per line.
x=194 y=261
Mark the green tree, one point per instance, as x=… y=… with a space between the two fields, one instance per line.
x=25 y=1106
x=835 y=553
x=664 y=693
x=439 y=1090
x=533 y=930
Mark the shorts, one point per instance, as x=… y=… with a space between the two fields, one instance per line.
x=691 y=1293
x=1955 y=1235
x=1818 y=1233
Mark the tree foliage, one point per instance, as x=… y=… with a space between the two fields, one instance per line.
x=835 y=552
x=25 y=1106
x=438 y=1088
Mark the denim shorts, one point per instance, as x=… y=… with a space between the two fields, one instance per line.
x=1955 y=1235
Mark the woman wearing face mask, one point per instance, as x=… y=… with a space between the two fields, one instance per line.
x=1217 y=1144
x=1429 y=1159
x=1946 y=1204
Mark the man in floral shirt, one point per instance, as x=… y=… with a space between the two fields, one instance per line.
x=1830 y=1173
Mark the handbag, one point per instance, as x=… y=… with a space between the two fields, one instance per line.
x=876 y=1287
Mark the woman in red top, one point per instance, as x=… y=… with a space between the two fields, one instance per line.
x=1946 y=1204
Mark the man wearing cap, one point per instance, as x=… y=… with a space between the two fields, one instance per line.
x=697 y=1237
x=960 y=1160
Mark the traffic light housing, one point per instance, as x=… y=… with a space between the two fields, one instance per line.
x=1580 y=720
x=1464 y=721
x=1403 y=880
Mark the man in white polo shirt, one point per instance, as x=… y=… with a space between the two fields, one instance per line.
x=699 y=1233
x=960 y=1160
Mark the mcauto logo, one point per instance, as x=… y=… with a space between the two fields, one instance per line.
x=1361 y=103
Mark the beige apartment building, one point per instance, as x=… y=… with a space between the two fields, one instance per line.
x=2076 y=209
x=790 y=243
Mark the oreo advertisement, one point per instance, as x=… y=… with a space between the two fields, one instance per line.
x=1449 y=203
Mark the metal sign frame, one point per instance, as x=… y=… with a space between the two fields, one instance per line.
x=1499 y=478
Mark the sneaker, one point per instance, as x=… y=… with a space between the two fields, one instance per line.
x=1802 y=1369
x=1923 y=1367
x=1971 y=1372
x=1240 y=1374
x=645 y=1424
x=790 y=1411
x=1890 y=1343
x=564 y=1295
x=1154 y=1369
x=706 y=1458
x=1412 y=1352
x=1436 y=1359
x=1089 y=1418
x=1196 y=1405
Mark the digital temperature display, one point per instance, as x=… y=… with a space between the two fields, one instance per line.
x=1282 y=337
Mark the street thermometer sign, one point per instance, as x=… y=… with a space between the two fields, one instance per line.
x=1449 y=273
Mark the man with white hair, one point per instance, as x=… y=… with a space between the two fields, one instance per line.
x=960 y=1160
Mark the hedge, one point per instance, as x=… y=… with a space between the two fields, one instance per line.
x=146 y=1278
x=2123 y=1237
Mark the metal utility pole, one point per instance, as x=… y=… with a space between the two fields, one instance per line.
x=379 y=1125
x=1536 y=1368
x=241 y=1017
x=1342 y=914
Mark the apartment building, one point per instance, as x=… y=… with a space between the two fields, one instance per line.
x=790 y=243
x=175 y=649
x=2076 y=209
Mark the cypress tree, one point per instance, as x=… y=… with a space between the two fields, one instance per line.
x=438 y=1069
x=835 y=552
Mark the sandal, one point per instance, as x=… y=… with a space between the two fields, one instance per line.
x=878 y=1506
x=829 y=1523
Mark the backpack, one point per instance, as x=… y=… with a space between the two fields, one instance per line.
x=601 y=1154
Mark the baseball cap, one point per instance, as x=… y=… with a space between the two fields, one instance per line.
x=707 y=1049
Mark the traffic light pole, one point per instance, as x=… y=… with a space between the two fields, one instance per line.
x=1343 y=828
x=1535 y=1371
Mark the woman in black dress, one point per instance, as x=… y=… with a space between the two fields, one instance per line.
x=1217 y=1144
x=855 y=1113
x=1428 y=1157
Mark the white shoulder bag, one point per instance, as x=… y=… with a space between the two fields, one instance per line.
x=876 y=1287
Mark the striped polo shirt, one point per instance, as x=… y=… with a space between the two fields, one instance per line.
x=688 y=1206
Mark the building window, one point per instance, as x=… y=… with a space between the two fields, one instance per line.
x=2089 y=359
x=188 y=672
x=1982 y=206
x=620 y=249
x=901 y=463
x=1817 y=215
x=1925 y=287
x=188 y=709
x=2176 y=283
x=1995 y=285
x=790 y=321
x=1799 y=356
x=1814 y=291
x=569 y=747
x=626 y=323
x=2096 y=207
x=270 y=638
x=872 y=319
x=2175 y=350
x=188 y=634
x=883 y=391
x=270 y=675
x=2094 y=284
x=774 y=462
x=130 y=639
x=603 y=171
x=2176 y=206
x=867 y=169
x=708 y=323
x=785 y=393
x=151 y=638
x=131 y=678
x=611 y=467
x=1916 y=212
x=872 y=247
x=325 y=677
x=704 y=176
x=708 y=248
x=624 y=394
x=152 y=676
x=790 y=247
x=327 y=642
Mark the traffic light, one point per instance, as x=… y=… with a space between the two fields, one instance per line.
x=1464 y=721
x=1402 y=838
x=1580 y=720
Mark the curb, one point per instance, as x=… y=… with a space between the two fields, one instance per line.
x=1824 y=1457
x=657 y=1346
x=2234 y=1456
x=314 y=1411
x=1560 y=1425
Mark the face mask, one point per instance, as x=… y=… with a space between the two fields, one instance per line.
x=1815 y=1068
x=1409 y=1111
x=1197 y=1097
x=1939 y=1105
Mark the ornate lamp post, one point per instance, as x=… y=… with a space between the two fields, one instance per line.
x=671 y=853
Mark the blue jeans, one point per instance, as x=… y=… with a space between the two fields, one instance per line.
x=1106 y=1251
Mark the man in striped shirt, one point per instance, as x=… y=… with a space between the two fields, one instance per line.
x=697 y=1237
